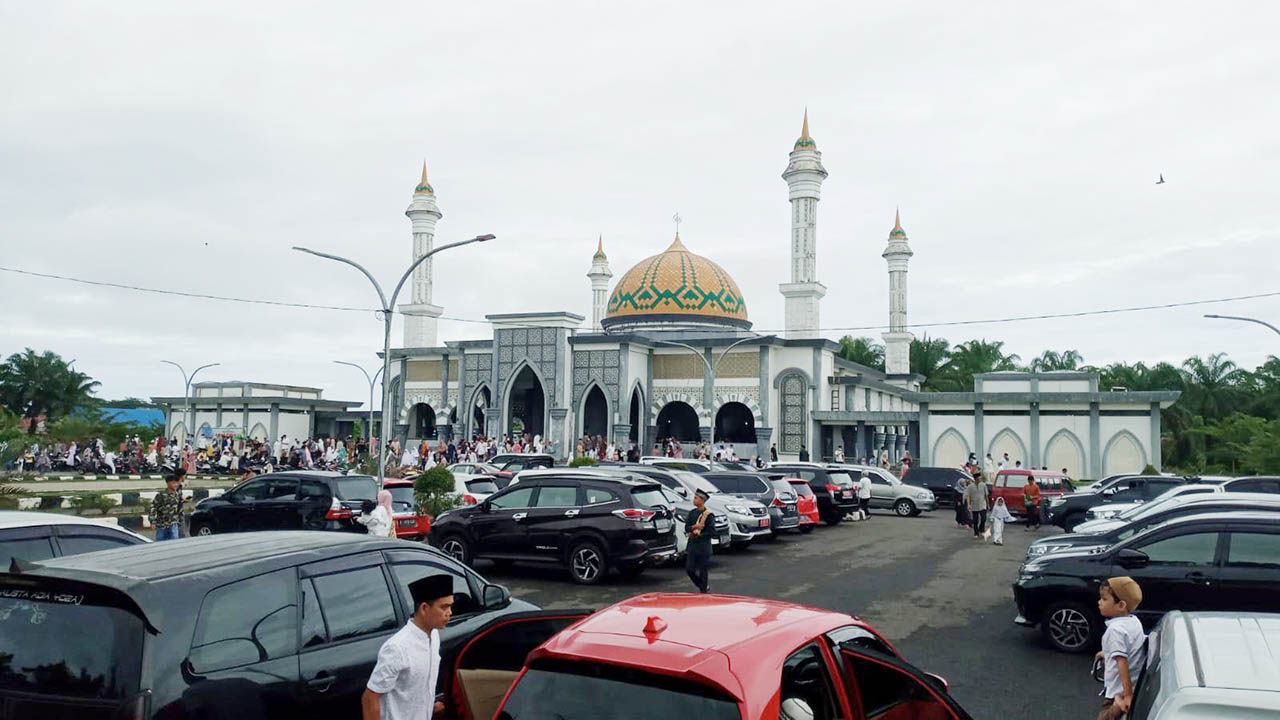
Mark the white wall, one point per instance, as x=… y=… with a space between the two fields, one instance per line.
x=939 y=425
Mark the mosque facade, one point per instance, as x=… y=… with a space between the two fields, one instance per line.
x=669 y=353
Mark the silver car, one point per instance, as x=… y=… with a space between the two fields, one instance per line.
x=748 y=519
x=888 y=491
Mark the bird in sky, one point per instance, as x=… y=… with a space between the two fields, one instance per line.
x=1161 y=180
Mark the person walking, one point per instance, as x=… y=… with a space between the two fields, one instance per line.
x=976 y=497
x=999 y=516
x=699 y=527
x=166 y=508
x=804 y=454
x=864 y=497
x=403 y=683
x=378 y=519
x=1031 y=496
x=773 y=452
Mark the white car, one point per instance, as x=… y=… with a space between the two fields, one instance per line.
x=748 y=519
x=473 y=489
x=1104 y=520
x=36 y=536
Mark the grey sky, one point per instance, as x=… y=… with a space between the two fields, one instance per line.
x=190 y=148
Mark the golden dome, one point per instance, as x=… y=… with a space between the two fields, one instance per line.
x=676 y=286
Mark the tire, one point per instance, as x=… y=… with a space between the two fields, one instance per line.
x=806 y=529
x=916 y=513
x=1070 y=522
x=457 y=547
x=1070 y=627
x=587 y=563
x=201 y=530
x=739 y=545
x=904 y=507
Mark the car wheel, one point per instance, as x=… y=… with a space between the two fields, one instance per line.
x=1070 y=627
x=201 y=530
x=587 y=563
x=806 y=529
x=904 y=507
x=1071 y=521
x=457 y=547
x=739 y=545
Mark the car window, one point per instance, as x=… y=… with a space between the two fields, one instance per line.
x=356 y=487
x=805 y=677
x=1134 y=492
x=877 y=479
x=1155 y=489
x=246 y=622
x=725 y=484
x=77 y=544
x=596 y=496
x=807 y=475
x=1254 y=550
x=464 y=602
x=648 y=497
x=1190 y=549
x=355 y=602
x=402 y=499
x=282 y=488
x=314 y=631
x=518 y=498
x=881 y=687
x=752 y=484
x=483 y=487
x=557 y=496
x=33 y=549
x=310 y=488
x=843 y=479
x=1013 y=482
x=251 y=491
x=802 y=489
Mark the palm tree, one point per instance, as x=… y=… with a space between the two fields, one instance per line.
x=863 y=351
x=928 y=356
x=975 y=357
x=1212 y=384
x=32 y=385
x=1050 y=361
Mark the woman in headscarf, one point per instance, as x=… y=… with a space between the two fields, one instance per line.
x=378 y=519
x=962 y=512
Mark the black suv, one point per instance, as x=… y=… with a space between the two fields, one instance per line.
x=277 y=625
x=297 y=500
x=1068 y=510
x=1213 y=561
x=833 y=486
x=511 y=463
x=768 y=489
x=585 y=521
x=941 y=481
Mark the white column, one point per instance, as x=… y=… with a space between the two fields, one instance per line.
x=420 y=315
x=897 y=342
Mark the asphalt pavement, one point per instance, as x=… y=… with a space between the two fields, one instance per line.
x=941 y=597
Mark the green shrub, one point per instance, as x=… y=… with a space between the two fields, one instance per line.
x=433 y=491
x=583 y=461
x=1150 y=470
x=92 y=501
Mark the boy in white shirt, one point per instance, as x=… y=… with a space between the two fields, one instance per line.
x=1123 y=644
x=403 y=683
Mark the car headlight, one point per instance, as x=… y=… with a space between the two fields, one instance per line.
x=924 y=494
x=737 y=509
x=1037 y=550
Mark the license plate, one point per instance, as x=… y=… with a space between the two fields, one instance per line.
x=764 y=522
x=662 y=524
x=408 y=522
x=847 y=493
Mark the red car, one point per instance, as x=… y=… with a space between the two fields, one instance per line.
x=710 y=657
x=1009 y=485
x=409 y=524
x=806 y=504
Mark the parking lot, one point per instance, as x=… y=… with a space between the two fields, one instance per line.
x=940 y=596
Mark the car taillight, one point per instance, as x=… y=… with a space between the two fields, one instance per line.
x=468 y=500
x=635 y=515
x=337 y=511
x=777 y=502
x=833 y=489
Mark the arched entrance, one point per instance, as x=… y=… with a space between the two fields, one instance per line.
x=482 y=401
x=634 y=418
x=678 y=420
x=735 y=424
x=527 y=405
x=424 y=424
x=595 y=413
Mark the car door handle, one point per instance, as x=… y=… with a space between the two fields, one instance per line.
x=1199 y=578
x=519 y=516
x=321 y=682
x=571 y=513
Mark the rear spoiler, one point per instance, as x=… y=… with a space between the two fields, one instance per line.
x=25 y=581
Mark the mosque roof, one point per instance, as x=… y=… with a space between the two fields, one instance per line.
x=676 y=286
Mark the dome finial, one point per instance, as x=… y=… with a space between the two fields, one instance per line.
x=599 y=248
x=897 y=230
x=805 y=142
x=424 y=187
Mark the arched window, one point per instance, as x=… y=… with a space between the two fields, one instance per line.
x=792 y=402
x=678 y=420
x=735 y=424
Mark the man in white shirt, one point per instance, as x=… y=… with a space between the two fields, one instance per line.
x=989 y=468
x=403 y=683
x=864 y=497
x=840 y=453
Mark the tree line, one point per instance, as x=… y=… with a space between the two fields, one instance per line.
x=1227 y=420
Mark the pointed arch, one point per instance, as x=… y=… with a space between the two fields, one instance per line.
x=259 y=432
x=1064 y=450
x=583 y=421
x=538 y=427
x=635 y=411
x=481 y=399
x=1008 y=441
x=1124 y=453
x=951 y=449
x=179 y=430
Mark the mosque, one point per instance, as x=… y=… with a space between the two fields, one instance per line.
x=669 y=353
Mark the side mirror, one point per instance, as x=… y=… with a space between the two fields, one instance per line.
x=684 y=492
x=1130 y=558
x=495 y=596
x=942 y=682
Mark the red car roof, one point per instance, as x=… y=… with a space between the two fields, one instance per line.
x=735 y=643
x=396 y=482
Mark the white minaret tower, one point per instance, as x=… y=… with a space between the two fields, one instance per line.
x=804 y=176
x=897 y=342
x=420 y=317
x=599 y=274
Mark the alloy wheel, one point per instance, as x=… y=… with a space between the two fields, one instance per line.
x=454 y=549
x=204 y=531
x=587 y=564
x=1069 y=628
x=904 y=507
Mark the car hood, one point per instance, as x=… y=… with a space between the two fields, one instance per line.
x=1071 y=540
x=1097 y=527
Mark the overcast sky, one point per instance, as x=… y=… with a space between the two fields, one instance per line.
x=184 y=146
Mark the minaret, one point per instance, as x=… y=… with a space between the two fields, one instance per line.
x=897 y=342
x=420 y=314
x=804 y=176
x=599 y=274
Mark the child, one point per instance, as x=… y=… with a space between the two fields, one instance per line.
x=1123 y=648
x=999 y=516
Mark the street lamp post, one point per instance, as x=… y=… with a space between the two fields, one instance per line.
x=371 y=380
x=388 y=308
x=712 y=367
x=186 y=389
x=1245 y=319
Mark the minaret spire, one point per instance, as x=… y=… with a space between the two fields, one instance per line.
x=424 y=187
x=420 y=314
x=599 y=275
x=897 y=342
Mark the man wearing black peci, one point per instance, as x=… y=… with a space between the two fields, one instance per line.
x=699 y=525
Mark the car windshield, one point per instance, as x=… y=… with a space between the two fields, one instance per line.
x=581 y=690
x=43 y=648
x=401 y=498
x=841 y=478
x=671 y=497
x=356 y=487
x=482 y=487
x=697 y=482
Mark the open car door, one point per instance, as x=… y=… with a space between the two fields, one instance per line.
x=479 y=669
x=883 y=687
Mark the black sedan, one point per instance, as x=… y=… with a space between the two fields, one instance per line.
x=1217 y=561
x=298 y=500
